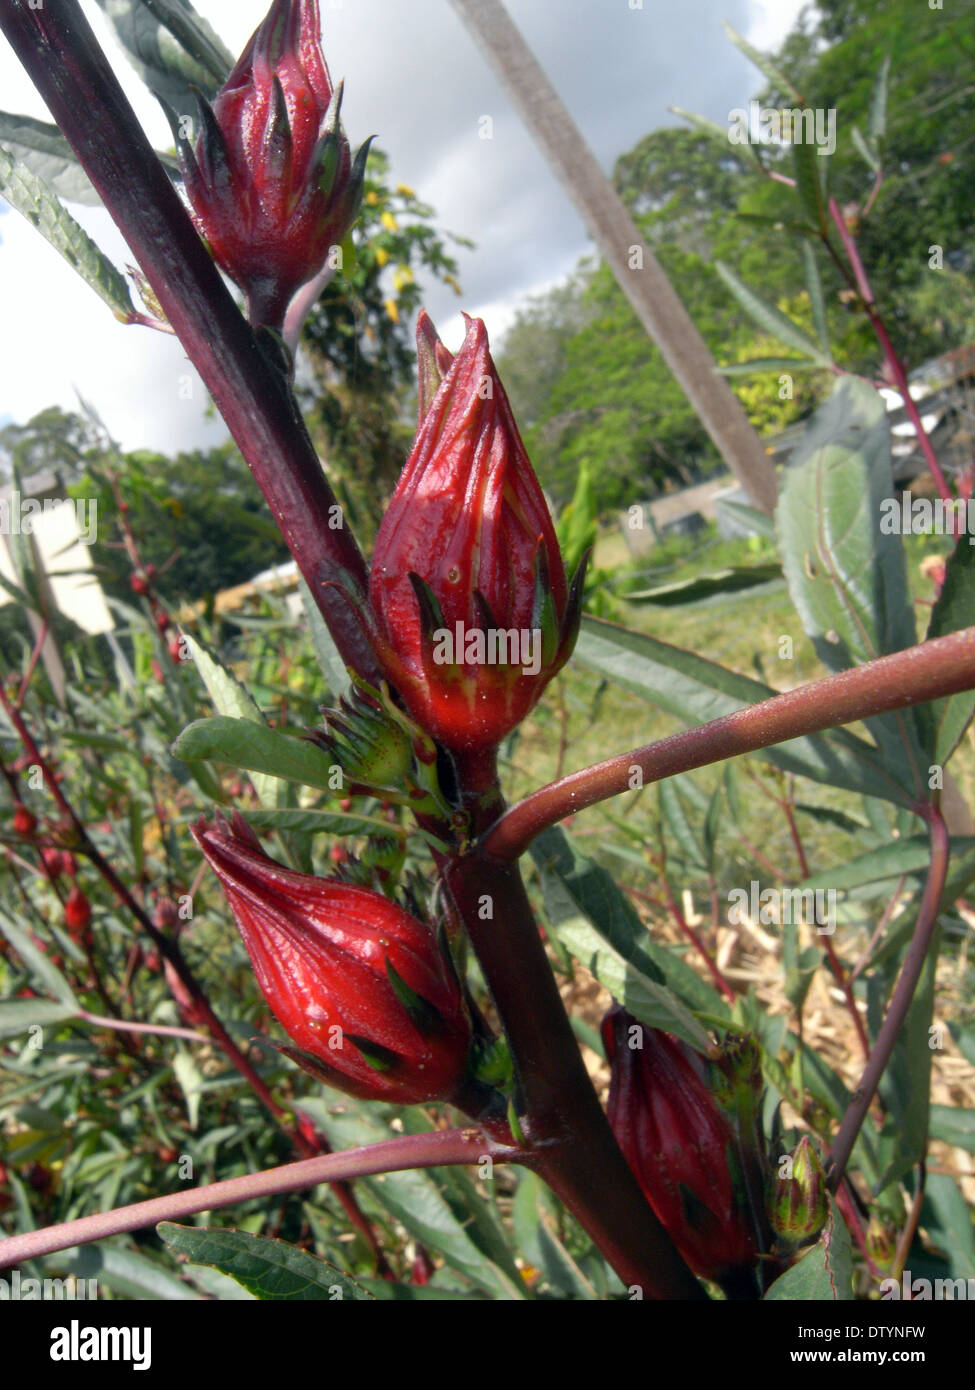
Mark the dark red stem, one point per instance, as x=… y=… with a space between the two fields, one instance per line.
x=570 y=1142
x=251 y=391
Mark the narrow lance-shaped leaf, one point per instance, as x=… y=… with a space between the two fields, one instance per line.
x=814 y=288
x=765 y=64
x=42 y=208
x=771 y=319
x=241 y=743
x=145 y=29
x=943 y=722
x=232 y=699
x=47 y=154
x=270 y=1269
x=877 y=128
x=810 y=174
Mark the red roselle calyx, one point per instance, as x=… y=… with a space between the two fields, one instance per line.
x=469 y=591
x=679 y=1145
x=77 y=911
x=364 y=989
x=24 y=821
x=271 y=182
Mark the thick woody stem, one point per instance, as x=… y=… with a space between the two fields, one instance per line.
x=569 y=1141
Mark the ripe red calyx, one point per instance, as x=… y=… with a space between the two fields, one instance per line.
x=473 y=612
x=366 y=991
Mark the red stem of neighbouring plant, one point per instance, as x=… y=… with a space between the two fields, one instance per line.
x=441 y=1147
x=900 y=1000
x=32 y=663
x=844 y=982
x=925 y=672
x=122 y=1025
x=894 y=363
x=790 y=817
x=685 y=927
x=906 y=1238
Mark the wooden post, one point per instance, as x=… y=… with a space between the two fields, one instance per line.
x=637 y=270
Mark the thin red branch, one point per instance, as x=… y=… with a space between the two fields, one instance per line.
x=900 y=1000
x=430 y=1150
x=896 y=366
x=927 y=671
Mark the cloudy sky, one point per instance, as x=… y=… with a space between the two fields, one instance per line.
x=415 y=78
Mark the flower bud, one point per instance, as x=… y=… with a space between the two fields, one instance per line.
x=467 y=584
x=364 y=989
x=271 y=182
x=678 y=1144
x=798 y=1205
x=24 y=822
x=881 y=1240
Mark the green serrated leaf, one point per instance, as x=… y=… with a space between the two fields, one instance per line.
x=754 y=365
x=415 y=1198
x=953 y=1125
x=675 y=816
x=877 y=127
x=332 y=666
x=809 y=171
x=47 y=154
x=39 y=965
x=233 y=700
x=709 y=127
x=269 y=1269
x=869 y=156
x=910 y=856
x=592 y=918
x=20 y=1015
x=725 y=583
x=814 y=288
x=151 y=33
x=37 y=202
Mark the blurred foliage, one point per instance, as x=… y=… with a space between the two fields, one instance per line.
x=603 y=391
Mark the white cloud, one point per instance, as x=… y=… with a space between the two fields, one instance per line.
x=416 y=78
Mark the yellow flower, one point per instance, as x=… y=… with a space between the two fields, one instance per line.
x=389 y=222
x=392 y=309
